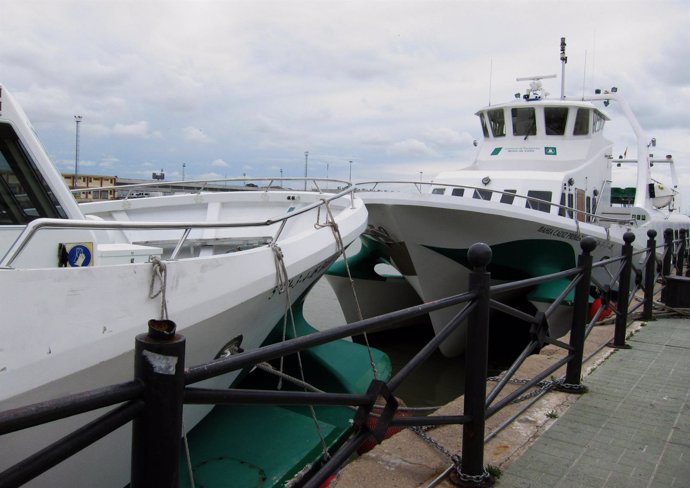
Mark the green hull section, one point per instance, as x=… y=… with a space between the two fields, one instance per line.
x=518 y=260
x=250 y=446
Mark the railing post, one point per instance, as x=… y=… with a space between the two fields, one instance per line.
x=680 y=257
x=158 y=363
x=472 y=472
x=623 y=294
x=666 y=261
x=573 y=373
x=649 y=276
x=668 y=253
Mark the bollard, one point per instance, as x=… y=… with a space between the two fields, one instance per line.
x=573 y=372
x=472 y=472
x=159 y=364
x=623 y=294
x=649 y=276
x=680 y=257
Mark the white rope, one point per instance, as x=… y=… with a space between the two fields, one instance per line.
x=159 y=273
x=282 y=282
x=330 y=222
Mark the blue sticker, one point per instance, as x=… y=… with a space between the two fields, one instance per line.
x=79 y=256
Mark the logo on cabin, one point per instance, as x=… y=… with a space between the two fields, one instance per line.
x=496 y=151
x=550 y=151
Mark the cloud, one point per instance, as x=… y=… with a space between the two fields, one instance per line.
x=219 y=163
x=411 y=147
x=192 y=134
x=139 y=130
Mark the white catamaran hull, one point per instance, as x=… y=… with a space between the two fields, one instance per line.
x=437 y=232
x=74 y=328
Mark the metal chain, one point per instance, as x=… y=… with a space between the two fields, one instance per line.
x=543 y=386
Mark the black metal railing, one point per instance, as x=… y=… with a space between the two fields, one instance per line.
x=154 y=399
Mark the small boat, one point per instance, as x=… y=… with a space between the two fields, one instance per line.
x=79 y=282
x=541 y=180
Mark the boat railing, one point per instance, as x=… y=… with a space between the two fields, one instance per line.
x=479 y=193
x=134 y=190
x=42 y=224
x=162 y=411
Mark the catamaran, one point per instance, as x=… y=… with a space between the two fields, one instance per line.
x=79 y=282
x=541 y=180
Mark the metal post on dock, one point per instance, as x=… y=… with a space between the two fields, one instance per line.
x=666 y=261
x=680 y=258
x=623 y=294
x=573 y=372
x=472 y=472
x=159 y=365
x=649 y=277
x=668 y=253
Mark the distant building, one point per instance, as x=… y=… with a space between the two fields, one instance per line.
x=91 y=185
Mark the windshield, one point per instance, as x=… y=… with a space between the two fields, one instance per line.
x=24 y=194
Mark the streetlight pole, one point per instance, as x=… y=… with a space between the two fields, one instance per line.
x=350 y=171
x=184 y=165
x=306 y=165
x=77 y=121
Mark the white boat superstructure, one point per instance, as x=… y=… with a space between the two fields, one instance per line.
x=541 y=180
x=79 y=282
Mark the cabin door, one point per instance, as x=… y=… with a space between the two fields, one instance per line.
x=580 y=205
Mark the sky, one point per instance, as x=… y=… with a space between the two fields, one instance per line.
x=245 y=87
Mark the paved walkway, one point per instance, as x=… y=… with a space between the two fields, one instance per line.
x=632 y=429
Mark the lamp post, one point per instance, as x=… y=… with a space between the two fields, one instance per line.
x=77 y=121
x=184 y=165
x=350 y=171
x=306 y=165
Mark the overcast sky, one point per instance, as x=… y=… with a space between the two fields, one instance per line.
x=246 y=87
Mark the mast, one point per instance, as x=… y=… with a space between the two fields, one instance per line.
x=564 y=60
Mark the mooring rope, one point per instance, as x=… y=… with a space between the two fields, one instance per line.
x=282 y=282
x=330 y=222
x=159 y=273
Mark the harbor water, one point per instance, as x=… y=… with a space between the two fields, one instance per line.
x=437 y=381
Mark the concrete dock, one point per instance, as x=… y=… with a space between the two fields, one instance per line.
x=632 y=429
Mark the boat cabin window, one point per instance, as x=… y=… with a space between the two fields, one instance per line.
x=508 y=196
x=497 y=120
x=485 y=129
x=581 y=122
x=438 y=191
x=532 y=203
x=458 y=192
x=24 y=194
x=598 y=122
x=555 y=119
x=524 y=121
x=482 y=194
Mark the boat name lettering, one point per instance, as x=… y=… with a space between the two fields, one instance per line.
x=565 y=234
x=522 y=149
x=302 y=277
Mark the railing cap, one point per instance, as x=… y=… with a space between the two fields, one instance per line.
x=479 y=255
x=588 y=244
x=628 y=237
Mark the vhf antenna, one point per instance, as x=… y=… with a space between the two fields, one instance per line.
x=564 y=60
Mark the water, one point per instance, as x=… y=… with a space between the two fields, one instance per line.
x=438 y=380
x=434 y=383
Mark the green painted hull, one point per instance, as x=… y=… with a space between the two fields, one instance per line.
x=249 y=446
